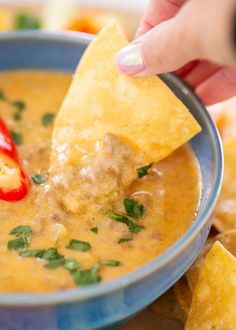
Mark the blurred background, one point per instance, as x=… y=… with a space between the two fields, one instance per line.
x=75 y=15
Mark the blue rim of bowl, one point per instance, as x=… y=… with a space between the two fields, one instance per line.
x=104 y=288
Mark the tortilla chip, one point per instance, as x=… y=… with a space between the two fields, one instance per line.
x=193 y=272
x=143 y=111
x=214 y=298
x=225 y=211
x=168 y=306
x=228 y=239
x=183 y=294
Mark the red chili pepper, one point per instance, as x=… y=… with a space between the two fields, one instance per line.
x=14 y=183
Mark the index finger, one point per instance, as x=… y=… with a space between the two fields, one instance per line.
x=158 y=11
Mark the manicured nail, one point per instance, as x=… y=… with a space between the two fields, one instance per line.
x=130 y=59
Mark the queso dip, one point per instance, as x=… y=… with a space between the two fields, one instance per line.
x=160 y=202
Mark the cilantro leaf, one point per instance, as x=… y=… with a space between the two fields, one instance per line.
x=110 y=262
x=38 y=179
x=32 y=253
x=55 y=263
x=2 y=96
x=94 y=230
x=142 y=171
x=124 y=240
x=17 y=244
x=71 y=264
x=133 y=228
x=17 y=137
x=133 y=208
x=47 y=119
x=75 y=244
x=21 y=229
x=86 y=276
x=19 y=105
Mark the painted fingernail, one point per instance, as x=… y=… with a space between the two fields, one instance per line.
x=130 y=59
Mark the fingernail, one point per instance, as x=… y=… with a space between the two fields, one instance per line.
x=130 y=59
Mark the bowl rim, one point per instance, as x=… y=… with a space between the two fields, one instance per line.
x=104 y=288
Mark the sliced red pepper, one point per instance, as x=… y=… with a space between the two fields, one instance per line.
x=6 y=143
x=14 y=183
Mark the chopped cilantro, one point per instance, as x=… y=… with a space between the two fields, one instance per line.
x=25 y=21
x=124 y=240
x=133 y=228
x=47 y=119
x=110 y=263
x=2 y=96
x=19 y=105
x=17 y=137
x=142 y=171
x=51 y=254
x=17 y=116
x=38 y=179
x=23 y=238
x=32 y=253
x=55 y=263
x=86 y=276
x=71 y=264
x=21 y=229
x=17 y=244
x=75 y=244
x=133 y=208
x=94 y=230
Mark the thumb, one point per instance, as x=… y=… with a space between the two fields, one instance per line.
x=191 y=34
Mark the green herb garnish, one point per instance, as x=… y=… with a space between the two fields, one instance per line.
x=2 y=96
x=133 y=208
x=17 y=137
x=17 y=116
x=21 y=229
x=51 y=254
x=19 y=105
x=94 y=230
x=32 y=253
x=17 y=244
x=25 y=21
x=86 y=276
x=142 y=171
x=133 y=228
x=75 y=244
x=110 y=263
x=124 y=240
x=23 y=238
x=55 y=263
x=47 y=119
x=38 y=179
x=71 y=264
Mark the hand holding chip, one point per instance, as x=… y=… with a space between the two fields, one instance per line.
x=197 y=36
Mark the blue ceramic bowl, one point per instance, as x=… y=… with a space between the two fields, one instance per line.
x=106 y=305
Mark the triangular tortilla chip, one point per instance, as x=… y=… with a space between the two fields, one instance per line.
x=214 y=298
x=225 y=212
x=141 y=110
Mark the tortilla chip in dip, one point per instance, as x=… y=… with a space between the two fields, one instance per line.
x=214 y=297
x=142 y=111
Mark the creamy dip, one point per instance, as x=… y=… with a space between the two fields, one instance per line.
x=168 y=194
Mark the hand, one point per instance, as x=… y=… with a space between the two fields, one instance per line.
x=195 y=38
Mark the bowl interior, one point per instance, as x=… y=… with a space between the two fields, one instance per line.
x=62 y=51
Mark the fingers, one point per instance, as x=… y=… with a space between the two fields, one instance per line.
x=158 y=50
x=220 y=86
x=173 y=43
x=158 y=11
x=200 y=72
